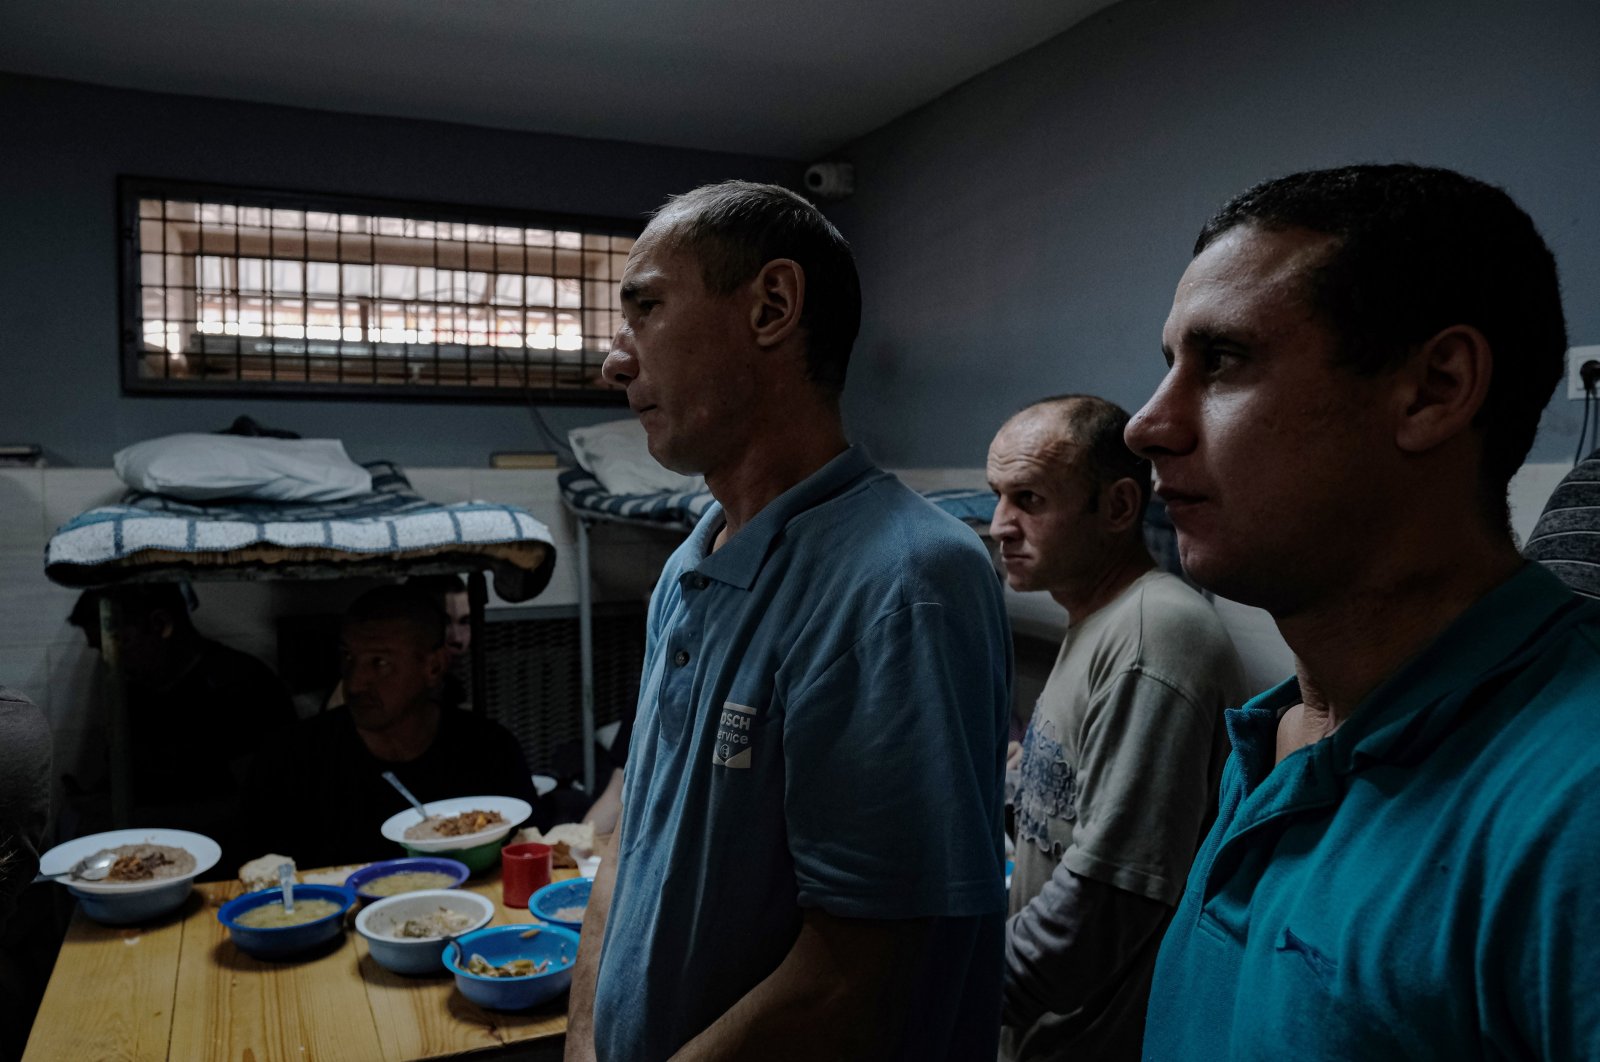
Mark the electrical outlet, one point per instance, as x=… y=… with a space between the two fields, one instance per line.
x=1576 y=356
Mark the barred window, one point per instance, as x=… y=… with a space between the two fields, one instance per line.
x=229 y=290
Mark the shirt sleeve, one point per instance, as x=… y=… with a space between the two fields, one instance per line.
x=1072 y=941
x=1144 y=790
x=893 y=759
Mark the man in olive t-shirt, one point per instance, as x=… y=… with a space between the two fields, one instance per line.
x=1120 y=765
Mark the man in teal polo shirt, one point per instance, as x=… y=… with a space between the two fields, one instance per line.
x=809 y=862
x=1406 y=862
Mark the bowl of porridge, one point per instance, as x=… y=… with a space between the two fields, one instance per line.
x=260 y=925
x=152 y=875
x=406 y=934
x=469 y=829
x=393 y=877
x=562 y=903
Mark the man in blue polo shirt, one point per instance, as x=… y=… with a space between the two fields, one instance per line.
x=809 y=862
x=1406 y=863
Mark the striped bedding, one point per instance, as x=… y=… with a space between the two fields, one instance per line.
x=392 y=530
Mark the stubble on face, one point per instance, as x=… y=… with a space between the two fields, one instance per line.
x=1270 y=447
x=1035 y=469
x=695 y=378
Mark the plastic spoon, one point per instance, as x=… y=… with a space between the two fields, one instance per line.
x=388 y=776
x=286 y=879
x=90 y=868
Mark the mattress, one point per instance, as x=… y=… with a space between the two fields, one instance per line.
x=391 y=531
x=584 y=495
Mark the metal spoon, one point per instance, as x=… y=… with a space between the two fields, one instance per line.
x=388 y=776
x=90 y=868
x=286 y=879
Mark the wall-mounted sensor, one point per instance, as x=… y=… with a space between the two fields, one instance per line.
x=830 y=180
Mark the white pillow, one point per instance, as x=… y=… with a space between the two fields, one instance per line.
x=618 y=455
x=196 y=467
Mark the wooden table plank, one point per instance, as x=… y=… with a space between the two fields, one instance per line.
x=232 y=1006
x=117 y=1000
x=423 y=1017
x=180 y=990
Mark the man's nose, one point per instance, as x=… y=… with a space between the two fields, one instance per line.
x=1163 y=425
x=620 y=367
x=1003 y=525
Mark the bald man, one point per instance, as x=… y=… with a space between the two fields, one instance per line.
x=1123 y=755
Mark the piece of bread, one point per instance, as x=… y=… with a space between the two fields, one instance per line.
x=262 y=872
x=577 y=836
x=331 y=875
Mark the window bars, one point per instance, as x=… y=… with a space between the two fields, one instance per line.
x=229 y=290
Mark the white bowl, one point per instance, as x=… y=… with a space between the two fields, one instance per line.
x=123 y=902
x=420 y=955
x=514 y=811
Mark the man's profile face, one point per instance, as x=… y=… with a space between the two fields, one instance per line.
x=683 y=354
x=1045 y=516
x=389 y=671
x=1270 y=456
x=458 y=629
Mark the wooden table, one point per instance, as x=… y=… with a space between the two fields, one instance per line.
x=178 y=989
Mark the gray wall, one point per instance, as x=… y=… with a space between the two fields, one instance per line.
x=1022 y=235
x=64 y=145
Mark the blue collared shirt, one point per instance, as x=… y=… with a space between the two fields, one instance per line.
x=1424 y=883
x=822 y=724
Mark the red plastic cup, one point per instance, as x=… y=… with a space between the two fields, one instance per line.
x=524 y=870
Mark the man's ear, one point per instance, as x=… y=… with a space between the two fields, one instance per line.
x=434 y=666
x=1120 y=505
x=1442 y=388
x=780 y=289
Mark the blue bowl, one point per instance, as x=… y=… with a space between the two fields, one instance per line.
x=501 y=944
x=358 y=881
x=291 y=940
x=574 y=892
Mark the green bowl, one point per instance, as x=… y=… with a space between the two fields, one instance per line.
x=478 y=858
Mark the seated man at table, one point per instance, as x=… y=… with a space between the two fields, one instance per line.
x=319 y=794
x=195 y=709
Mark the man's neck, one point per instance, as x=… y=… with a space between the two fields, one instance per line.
x=1091 y=595
x=407 y=738
x=1348 y=647
x=774 y=461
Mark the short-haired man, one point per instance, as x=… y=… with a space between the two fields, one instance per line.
x=1405 y=860
x=1123 y=753
x=809 y=860
x=319 y=794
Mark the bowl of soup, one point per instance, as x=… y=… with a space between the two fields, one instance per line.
x=260 y=926
x=562 y=903
x=406 y=934
x=513 y=967
x=153 y=873
x=392 y=877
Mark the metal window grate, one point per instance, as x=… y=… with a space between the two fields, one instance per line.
x=534 y=685
x=229 y=290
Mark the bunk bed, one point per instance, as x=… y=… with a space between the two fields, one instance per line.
x=677 y=511
x=390 y=532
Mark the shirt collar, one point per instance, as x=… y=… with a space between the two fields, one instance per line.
x=1412 y=710
x=739 y=561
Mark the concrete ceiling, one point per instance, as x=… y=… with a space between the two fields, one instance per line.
x=791 y=80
